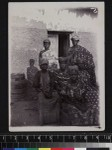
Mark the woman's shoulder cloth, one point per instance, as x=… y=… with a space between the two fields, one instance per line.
x=41 y=52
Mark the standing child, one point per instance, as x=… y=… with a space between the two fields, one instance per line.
x=31 y=71
x=47 y=96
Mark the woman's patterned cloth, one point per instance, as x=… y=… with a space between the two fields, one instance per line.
x=83 y=58
x=81 y=55
x=80 y=102
x=61 y=81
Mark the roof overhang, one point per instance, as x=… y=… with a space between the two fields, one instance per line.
x=59 y=32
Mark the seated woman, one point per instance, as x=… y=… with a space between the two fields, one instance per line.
x=81 y=99
x=47 y=96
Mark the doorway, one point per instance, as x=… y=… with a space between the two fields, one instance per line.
x=64 y=44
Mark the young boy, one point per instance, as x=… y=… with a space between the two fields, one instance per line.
x=31 y=71
x=47 y=97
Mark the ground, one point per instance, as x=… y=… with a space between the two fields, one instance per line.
x=24 y=111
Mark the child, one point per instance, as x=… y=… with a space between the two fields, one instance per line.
x=47 y=97
x=31 y=71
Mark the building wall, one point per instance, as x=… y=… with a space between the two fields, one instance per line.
x=26 y=43
x=54 y=43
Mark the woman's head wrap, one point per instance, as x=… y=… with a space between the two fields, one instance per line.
x=46 y=41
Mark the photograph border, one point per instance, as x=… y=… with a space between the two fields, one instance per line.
x=66 y=128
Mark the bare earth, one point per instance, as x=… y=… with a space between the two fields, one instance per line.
x=24 y=111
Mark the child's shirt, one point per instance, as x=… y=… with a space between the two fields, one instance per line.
x=31 y=72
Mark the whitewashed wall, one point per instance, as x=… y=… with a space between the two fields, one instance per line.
x=26 y=43
x=54 y=43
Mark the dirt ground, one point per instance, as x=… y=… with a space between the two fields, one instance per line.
x=24 y=111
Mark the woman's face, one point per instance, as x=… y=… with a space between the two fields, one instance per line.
x=46 y=45
x=73 y=74
x=75 y=42
x=62 y=66
x=73 y=77
x=31 y=63
x=44 y=67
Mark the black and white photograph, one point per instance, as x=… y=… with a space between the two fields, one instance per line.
x=56 y=66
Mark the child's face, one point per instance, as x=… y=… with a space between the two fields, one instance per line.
x=31 y=63
x=46 y=45
x=44 y=67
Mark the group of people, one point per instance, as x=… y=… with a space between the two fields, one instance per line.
x=66 y=86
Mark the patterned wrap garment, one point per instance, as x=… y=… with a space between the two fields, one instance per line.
x=80 y=56
x=81 y=103
x=61 y=80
